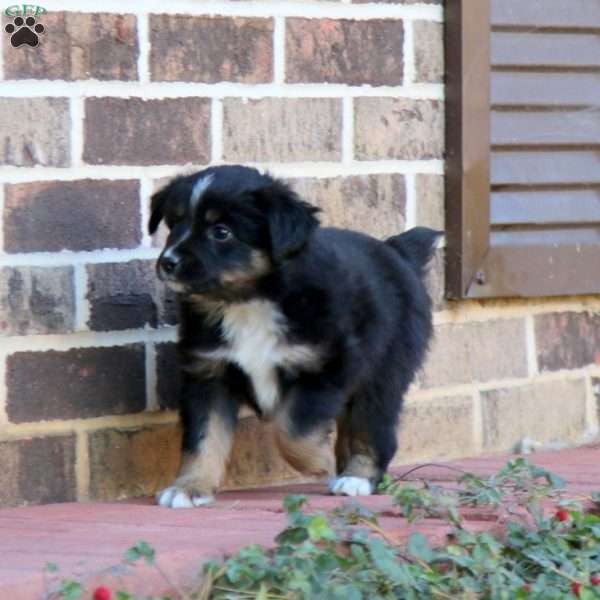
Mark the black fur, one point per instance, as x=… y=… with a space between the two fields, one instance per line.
x=361 y=301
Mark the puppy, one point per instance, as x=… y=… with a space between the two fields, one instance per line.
x=311 y=327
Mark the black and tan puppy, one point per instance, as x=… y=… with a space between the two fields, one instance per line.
x=312 y=327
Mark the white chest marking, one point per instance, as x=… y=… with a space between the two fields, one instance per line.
x=255 y=333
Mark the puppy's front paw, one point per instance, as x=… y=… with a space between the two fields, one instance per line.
x=180 y=497
x=350 y=486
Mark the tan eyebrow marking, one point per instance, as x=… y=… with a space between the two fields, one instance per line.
x=212 y=215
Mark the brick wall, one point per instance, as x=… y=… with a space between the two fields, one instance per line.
x=345 y=100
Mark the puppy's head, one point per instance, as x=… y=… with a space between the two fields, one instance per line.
x=230 y=226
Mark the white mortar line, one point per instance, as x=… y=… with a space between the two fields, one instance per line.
x=82 y=466
x=82 y=304
x=409 y=53
x=279 y=50
x=473 y=312
x=143 y=32
x=85 y=339
x=477 y=422
x=77 y=109
x=121 y=422
x=258 y=9
x=28 y=88
x=216 y=130
x=146 y=189
x=411 y=201
x=3 y=391
x=347 y=130
x=57 y=259
x=1 y=218
x=293 y=169
x=532 y=364
x=468 y=388
x=151 y=379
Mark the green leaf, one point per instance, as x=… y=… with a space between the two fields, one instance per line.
x=293 y=503
x=347 y=592
x=51 y=567
x=124 y=596
x=292 y=535
x=139 y=551
x=319 y=529
x=71 y=590
x=386 y=561
x=418 y=546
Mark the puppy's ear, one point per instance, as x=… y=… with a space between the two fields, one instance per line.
x=290 y=221
x=157 y=207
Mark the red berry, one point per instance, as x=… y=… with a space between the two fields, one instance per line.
x=576 y=588
x=526 y=588
x=562 y=515
x=595 y=579
x=102 y=593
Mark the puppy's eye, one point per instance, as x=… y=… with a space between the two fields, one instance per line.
x=220 y=233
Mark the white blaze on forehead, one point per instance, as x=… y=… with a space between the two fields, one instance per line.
x=198 y=190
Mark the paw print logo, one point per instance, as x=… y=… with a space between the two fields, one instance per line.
x=24 y=31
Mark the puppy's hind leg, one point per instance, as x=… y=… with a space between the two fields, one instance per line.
x=368 y=436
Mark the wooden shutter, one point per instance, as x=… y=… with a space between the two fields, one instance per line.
x=523 y=174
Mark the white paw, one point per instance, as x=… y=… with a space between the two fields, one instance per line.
x=350 y=486
x=175 y=497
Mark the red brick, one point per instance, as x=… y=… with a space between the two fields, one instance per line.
x=429 y=51
x=134 y=131
x=132 y=462
x=78 y=46
x=373 y=204
x=211 y=49
x=449 y=430
x=435 y=280
x=37 y=471
x=282 y=129
x=543 y=411
x=344 y=51
x=567 y=340
x=469 y=352
x=36 y=300
x=35 y=131
x=398 y=128
x=128 y=295
x=430 y=201
x=50 y=216
x=75 y=384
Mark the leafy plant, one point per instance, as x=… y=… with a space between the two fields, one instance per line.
x=346 y=555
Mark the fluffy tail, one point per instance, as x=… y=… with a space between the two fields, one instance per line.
x=416 y=245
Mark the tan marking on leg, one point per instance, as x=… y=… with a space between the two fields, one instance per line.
x=201 y=472
x=361 y=465
x=342 y=447
x=310 y=454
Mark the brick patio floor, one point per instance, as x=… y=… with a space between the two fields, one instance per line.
x=86 y=539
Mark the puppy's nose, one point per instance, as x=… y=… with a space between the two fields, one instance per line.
x=168 y=263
